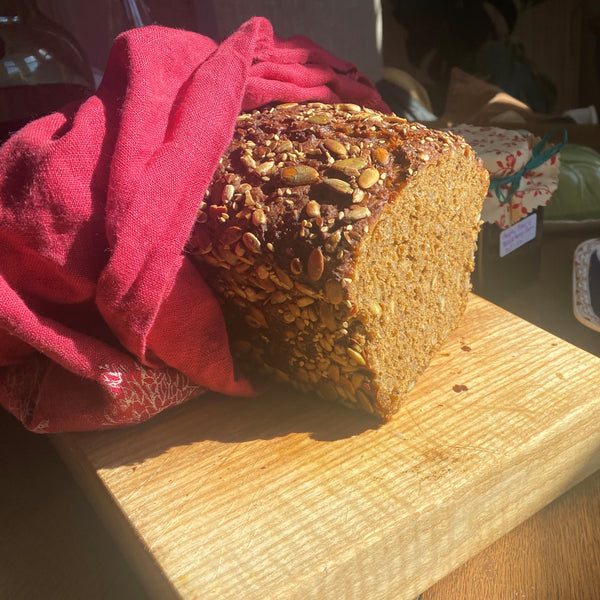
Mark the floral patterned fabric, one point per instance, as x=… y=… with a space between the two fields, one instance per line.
x=505 y=153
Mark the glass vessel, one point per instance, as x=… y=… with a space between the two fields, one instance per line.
x=497 y=277
x=42 y=67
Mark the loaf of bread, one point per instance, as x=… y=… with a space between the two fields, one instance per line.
x=340 y=243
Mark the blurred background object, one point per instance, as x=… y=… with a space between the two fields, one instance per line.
x=333 y=24
x=42 y=67
x=545 y=53
x=554 y=44
x=478 y=37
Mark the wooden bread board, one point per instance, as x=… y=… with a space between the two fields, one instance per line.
x=284 y=497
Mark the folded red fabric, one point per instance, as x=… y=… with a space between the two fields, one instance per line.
x=103 y=319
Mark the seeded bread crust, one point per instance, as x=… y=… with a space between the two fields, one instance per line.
x=340 y=243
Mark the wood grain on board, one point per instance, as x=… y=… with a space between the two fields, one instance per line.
x=283 y=496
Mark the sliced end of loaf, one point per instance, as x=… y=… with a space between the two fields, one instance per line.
x=412 y=274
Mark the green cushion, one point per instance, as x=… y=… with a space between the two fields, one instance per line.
x=577 y=197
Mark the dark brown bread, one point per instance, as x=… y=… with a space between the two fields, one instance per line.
x=340 y=243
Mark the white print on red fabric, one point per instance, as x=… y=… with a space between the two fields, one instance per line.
x=42 y=427
x=503 y=153
x=142 y=392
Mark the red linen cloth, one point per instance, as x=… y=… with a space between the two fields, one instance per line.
x=103 y=320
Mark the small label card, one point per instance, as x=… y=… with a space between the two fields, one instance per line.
x=517 y=235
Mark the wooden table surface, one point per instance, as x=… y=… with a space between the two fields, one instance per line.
x=54 y=545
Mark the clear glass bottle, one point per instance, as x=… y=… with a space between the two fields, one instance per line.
x=42 y=67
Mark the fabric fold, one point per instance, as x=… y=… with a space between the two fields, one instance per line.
x=97 y=202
